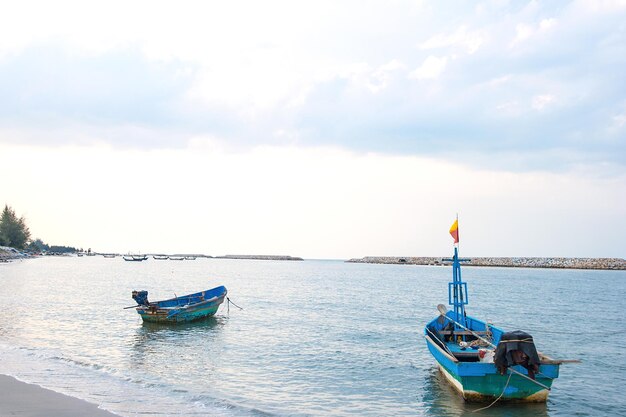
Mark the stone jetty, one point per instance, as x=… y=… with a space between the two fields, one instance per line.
x=262 y=257
x=518 y=262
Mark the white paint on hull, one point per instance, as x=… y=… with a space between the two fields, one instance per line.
x=538 y=397
x=452 y=380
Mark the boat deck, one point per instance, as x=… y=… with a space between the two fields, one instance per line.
x=468 y=354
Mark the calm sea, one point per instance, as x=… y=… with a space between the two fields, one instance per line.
x=315 y=338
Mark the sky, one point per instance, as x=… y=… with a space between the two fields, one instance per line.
x=320 y=129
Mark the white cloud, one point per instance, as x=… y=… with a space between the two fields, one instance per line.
x=546 y=24
x=314 y=72
x=601 y=6
x=431 y=68
x=617 y=125
x=379 y=79
x=509 y=108
x=540 y=102
x=496 y=82
x=469 y=41
x=522 y=33
x=619 y=120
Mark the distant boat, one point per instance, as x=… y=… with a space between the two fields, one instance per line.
x=108 y=255
x=180 y=309
x=482 y=362
x=136 y=258
x=177 y=258
x=160 y=257
x=190 y=258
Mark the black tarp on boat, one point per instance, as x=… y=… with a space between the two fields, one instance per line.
x=517 y=348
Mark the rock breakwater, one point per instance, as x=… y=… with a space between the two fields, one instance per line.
x=517 y=262
x=9 y=254
x=262 y=257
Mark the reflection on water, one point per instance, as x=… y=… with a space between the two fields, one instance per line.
x=441 y=399
x=152 y=339
x=149 y=330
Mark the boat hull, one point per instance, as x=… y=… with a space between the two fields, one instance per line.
x=200 y=306
x=186 y=316
x=135 y=258
x=481 y=381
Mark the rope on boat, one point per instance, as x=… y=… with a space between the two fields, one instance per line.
x=496 y=400
x=481 y=342
x=230 y=302
x=443 y=343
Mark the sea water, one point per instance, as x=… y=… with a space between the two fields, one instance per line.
x=314 y=338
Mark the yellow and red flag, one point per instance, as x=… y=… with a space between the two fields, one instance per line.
x=454 y=231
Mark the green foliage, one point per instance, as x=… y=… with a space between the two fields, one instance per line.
x=13 y=231
x=39 y=245
x=62 y=249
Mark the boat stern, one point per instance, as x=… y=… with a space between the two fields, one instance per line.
x=481 y=381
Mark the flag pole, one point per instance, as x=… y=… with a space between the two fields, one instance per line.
x=458 y=244
x=457 y=289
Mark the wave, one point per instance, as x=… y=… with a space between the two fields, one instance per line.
x=113 y=389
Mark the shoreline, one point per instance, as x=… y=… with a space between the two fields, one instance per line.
x=610 y=264
x=8 y=254
x=22 y=399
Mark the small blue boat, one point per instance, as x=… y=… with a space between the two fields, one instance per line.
x=481 y=361
x=180 y=309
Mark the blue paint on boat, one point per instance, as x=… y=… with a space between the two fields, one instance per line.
x=450 y=338
x=186 y=308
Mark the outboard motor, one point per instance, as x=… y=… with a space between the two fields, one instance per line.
x=517 y=348
x=141 y=298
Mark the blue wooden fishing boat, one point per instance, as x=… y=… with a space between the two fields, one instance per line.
x=186 y=308
x=483 y=362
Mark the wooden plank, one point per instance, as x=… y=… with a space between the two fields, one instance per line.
x=560 y=361
x=443 y=352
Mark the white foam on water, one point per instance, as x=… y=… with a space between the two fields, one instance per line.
x=110 y=389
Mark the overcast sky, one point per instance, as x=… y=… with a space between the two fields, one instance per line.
x=322 y=129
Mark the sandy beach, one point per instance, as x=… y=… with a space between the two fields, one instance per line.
x=27 y=400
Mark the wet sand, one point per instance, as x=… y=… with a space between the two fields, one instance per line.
x=28 y=400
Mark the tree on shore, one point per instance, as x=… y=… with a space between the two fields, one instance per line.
x=38 y=245
x=13 y=230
